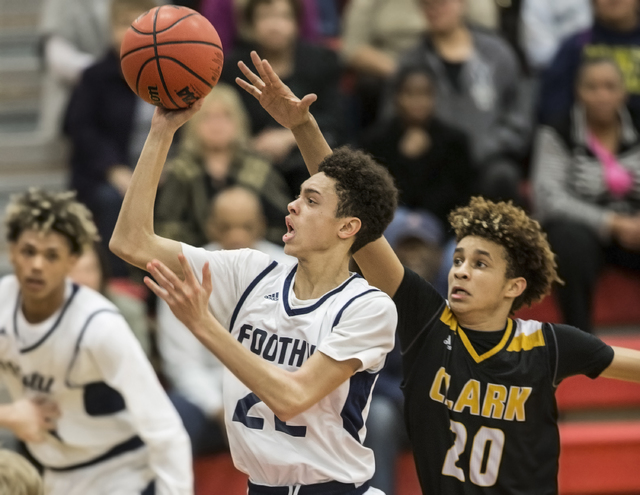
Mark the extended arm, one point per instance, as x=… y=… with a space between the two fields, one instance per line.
x=124 y=367
x=378 y=262
x=625 y=365
x=134 y=239
x=286 y=393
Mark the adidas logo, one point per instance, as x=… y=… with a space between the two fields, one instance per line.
x=447 y=342
x=273 y=297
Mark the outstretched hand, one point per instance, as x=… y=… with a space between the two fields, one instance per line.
x=274 y=96
x=188 y=299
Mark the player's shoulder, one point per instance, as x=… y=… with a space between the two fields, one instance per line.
x=360 y=293
x=86 y=304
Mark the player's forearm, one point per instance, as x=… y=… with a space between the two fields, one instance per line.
x=135 y=222
x=625 y=365
x=276 y=387
x=312 y=144
x=380 y=266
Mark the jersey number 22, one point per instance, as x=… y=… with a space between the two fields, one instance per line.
x=241 y=414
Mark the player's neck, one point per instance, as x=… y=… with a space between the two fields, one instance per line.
x=36 y=310
x=484 y=321
x=317 y=276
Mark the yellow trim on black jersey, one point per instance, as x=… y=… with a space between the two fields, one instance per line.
x=491 y=352
x=525 y=342
x=448 y=318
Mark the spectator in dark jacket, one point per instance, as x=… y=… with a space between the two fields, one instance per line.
x=107 y=125
x=587 y=187
x=303 y=67
x=478 y=82
x=430 y=160
x=615 y=34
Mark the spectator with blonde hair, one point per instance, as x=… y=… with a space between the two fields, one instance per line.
x=18 y=476
x=214 y=155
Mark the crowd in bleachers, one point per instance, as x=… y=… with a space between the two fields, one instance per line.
x=533 y=101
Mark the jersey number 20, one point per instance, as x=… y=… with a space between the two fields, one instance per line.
x=241 y=414
x=486 y=454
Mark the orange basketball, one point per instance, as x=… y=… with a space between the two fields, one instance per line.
x=171 y=56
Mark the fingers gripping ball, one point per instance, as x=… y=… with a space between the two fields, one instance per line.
x=171 y=56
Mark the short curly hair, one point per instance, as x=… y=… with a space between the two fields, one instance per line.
x=47 y=211
x=365 y=190
x=528 y=252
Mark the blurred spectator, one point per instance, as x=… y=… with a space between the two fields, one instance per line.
x=92 y=270
x=194 y=373
x=544 y=24
x=75 y=34
x=213 y=155
x=615 y=33
x=477 y=81
x=416 y=237
x=226 y=17
x=377 y=32
x=18 y=476
x=429 y=160
x=107 y=125
x=587 y=187
x=303 y=67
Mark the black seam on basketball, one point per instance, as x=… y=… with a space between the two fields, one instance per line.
x=162 y=30
x=164 y=43
x=155 y=48
x=140 y=74
x=187 y=69
x=140 y=32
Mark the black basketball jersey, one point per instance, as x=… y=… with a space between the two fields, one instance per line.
x=482 y=420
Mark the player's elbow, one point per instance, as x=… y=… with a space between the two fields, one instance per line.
x=289 y=406
x=120 y=246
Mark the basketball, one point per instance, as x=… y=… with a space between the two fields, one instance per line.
x=171 y=56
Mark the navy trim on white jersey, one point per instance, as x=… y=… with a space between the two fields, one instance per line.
x=360 y=387
x=339 y=315
x=76 y=351
x=127 y=446
x=248 y=290
x=317 y=304
x=53 y=327
x=327 y=488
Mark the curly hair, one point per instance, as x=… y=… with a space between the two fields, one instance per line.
x=365 y=190
x=528 y=252
x=47 y=211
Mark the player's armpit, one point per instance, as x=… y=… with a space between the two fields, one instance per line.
x=625 y=365
x=380 y=266
x=318 y=377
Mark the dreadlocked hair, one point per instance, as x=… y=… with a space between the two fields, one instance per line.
x=47 y=211
x=528 y=252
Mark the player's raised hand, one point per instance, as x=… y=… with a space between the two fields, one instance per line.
x=275 y=96
x=174 y=119
x=188 y=299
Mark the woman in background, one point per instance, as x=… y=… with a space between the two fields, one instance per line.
x=586 y=181
x=214 y=155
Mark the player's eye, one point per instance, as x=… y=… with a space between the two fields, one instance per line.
x=311 y=201
x=481 y=264
x=457 y=261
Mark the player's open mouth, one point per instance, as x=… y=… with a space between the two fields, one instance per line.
x=291 y=231
x=34 y=283
x=458 y=293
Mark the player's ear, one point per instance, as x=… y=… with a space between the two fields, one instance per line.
x=516 y=286
x=349 y=227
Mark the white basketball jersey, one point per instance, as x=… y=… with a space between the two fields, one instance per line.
x=253 y=297
x=63 y=359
